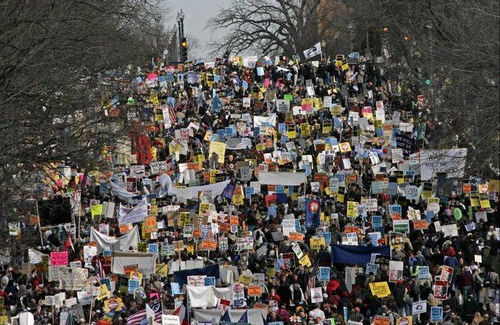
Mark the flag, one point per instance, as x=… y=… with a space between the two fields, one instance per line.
x=171 y=115
x=140 y=316
x=149 y=313
x=313 y=51
x=244 y=318
x=100 y=269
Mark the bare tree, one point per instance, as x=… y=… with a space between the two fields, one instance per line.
x=62 y=63
x=268 y=27
x=449 y=51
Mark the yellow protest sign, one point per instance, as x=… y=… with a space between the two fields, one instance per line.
x=4 y=320
x=103 y=292
x=291 y=133
x=318 y=103
x=380 y=289
x=184 y=219
x=114 y=304
x=161 y=269
x=474 y=200
x=340 y=197
x=305 y=261
x=270 y=272
x=154 y=98
x=218 y=148
x=305 y=130
x=238 y=196
x=484 y=202
x=96 y=210
x=134 y=275
x=352 y=209
x=345 y=147
x=245 y=279
x=204 y=207
x=316 y=243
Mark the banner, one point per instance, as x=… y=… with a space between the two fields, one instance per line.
x=123 y=244
x=206 y=297
x=144 y=262
x=135 y=214
x=72 y=278
x=259 y=121
x=238 y=143
x=211 y=270
x=256 y=316
x=346 y=254
x=282 y=178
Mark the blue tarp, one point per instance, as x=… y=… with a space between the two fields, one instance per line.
x=211 y=270
x=347 y=254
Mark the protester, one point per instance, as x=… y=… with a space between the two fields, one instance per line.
x=258 y=191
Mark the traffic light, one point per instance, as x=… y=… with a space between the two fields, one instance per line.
x=184 y=50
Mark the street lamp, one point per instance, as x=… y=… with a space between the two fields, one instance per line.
x=180 y=23
x=180 y=16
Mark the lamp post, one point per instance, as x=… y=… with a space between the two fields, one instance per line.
x=180 y=24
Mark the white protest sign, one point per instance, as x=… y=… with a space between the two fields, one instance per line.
x=419 y=307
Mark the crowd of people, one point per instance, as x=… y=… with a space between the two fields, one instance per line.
x=263 y=191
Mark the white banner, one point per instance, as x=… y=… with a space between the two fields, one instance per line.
x=124 y=243
x=144 y=262
x=282 y=178
x=261 y=120
x=135 y=214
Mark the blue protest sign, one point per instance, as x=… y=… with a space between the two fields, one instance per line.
x=436 y=314
x=323 y=273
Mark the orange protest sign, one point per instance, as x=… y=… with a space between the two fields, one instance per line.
x=379 y=320
x=296 y=236
x=125 y=228
x=420 y=224
x=225 y=227
x=234 y=221
x=254 y=291
x=208 y=245
x=150 y=224
x=348 y=229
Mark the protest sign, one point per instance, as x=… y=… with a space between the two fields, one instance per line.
x=59 y=258
x=436 y=314
x=396 y=271
x=323 y=273
x=380 y=289
x=419 y=307
x=316 y=295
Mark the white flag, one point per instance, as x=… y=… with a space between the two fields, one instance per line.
x=313 y=51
